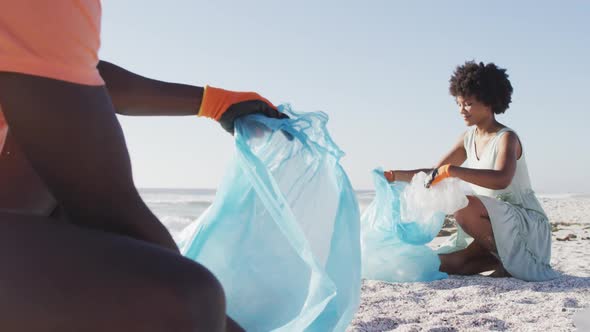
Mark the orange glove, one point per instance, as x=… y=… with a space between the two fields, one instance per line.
x=226 y=106
x=389 y=175
x=437 y=175
x=3 y=130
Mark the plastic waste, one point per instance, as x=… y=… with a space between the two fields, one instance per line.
x=398 y=223
x=282 y=234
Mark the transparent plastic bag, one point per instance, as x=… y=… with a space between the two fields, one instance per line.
x=393 y=248
x=282 y=235
x=420 y=203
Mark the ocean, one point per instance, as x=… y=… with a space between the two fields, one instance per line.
x=177 y=208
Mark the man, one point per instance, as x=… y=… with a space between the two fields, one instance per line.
x=112 y=266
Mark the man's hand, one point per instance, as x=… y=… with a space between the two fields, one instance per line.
x=226 y=106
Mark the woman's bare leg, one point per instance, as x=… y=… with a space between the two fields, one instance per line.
x=477 y=257
x=472 y=260
x=475 y=221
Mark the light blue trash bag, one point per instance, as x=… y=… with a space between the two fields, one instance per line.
x=282 y=234
x=394 y=250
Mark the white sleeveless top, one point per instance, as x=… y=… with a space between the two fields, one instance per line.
x=519 y=192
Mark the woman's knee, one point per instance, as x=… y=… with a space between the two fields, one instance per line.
x=473 y=211
x=461 y=216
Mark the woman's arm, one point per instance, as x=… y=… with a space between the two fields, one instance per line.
x=456 y=156
x=133 y=94
x=501 y=176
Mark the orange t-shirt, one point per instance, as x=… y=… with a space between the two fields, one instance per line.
x=57 y=39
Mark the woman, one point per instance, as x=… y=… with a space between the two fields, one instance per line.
x=511 y=233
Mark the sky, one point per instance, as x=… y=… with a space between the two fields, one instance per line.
x=379 y=69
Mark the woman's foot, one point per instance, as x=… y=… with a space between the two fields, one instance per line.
x=472 y=260
x=500 y=272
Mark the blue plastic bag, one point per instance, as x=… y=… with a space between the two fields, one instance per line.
x=393 y=249
x=282 y=235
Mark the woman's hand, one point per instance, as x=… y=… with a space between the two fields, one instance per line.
x=389 y=175
x=437 y=175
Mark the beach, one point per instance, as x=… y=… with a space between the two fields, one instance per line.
x=473 y=303
x=479 y=303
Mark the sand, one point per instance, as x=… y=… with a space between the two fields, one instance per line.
x=479 y=303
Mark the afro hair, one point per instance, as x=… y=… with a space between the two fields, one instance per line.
x=486 y=82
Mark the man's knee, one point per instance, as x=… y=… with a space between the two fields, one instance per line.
x=204 y=292
x=197 y=299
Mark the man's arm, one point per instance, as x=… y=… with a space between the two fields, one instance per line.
x=133 y=94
